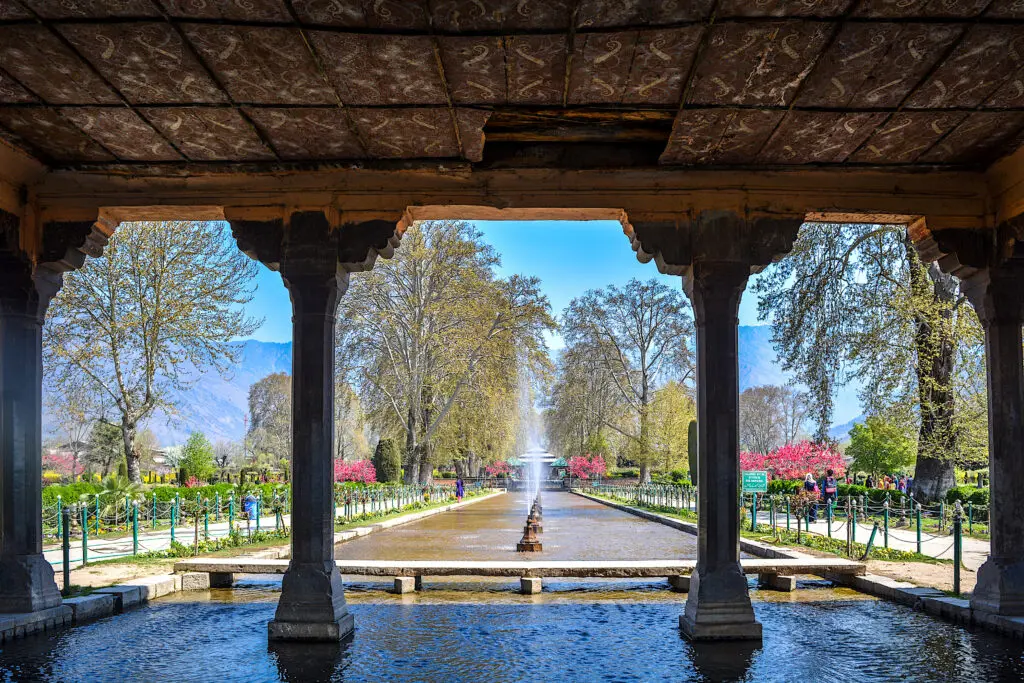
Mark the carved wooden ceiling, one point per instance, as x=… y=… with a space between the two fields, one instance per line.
x=585 y=83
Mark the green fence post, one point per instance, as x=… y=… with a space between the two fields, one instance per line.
x=753 y=512
x=787 y=514
x=885 y=513
x=85 y=534
x=174 y=516
x=970 y=516
x=853 y=523
x=154 y=510
x=957 y=545
x=97 y=514
x=65 y=546
x=206 y=520
x=919 y=528
x=942 y=514
x=257 y=507
x=60 y=513
x=771 y=511
x=828 y=517
x=231 y=513
x=135 y=527
x=127 y=511
x=216 y=506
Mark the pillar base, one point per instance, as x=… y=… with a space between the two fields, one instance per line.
x=27 y=584
x=718 y=608
x=1000 y=587
x=312 y=605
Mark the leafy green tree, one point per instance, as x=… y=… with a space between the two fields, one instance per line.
x=145 y=320
x=197 y=457
x=433 y=333
x=270 y=416
x=638 y=334
x=106 y=447
x=387 y=460
x=878 y=446
x=856 y=302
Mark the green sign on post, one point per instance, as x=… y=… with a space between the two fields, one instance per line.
x=755 y=481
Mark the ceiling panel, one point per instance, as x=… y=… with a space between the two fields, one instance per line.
x=239 y=10
x=906 y=136
x=600 y=67
x=475 y=69
x=536 y=69
x=719 y=136
x=92 y=9
x=43 y=64
x=51 y=135
x=501 y=15
x=756 y=63
x=980 y=137
x=380 y=14
x=407 y=133
x=805 y=137
x=209 y=134
x=302 y=134
x=123 y=132
x=875 y=64
x=148 y=63
x=376 y=70
x=261 y=65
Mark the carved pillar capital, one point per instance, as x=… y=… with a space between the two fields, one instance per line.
x=306 y=247
x=714 y=237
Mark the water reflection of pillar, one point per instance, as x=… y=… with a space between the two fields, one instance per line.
x=715 y=253
x=315 y=259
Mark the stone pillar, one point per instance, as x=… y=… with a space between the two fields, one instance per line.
x=27 y=284
x=715 y=253
x=998 y=297
x=314 y=259
x=718 y=606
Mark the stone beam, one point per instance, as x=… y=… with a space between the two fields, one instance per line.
x=946 y=199
x=314 y=257
x=715 y=252
x=1006 y=186
x=29 y=279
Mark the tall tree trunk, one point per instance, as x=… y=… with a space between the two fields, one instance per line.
x=426 y=451
x=131 y=456
x=934 y=345
x=412 y=465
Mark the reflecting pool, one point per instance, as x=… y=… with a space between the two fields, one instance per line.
x=585 y=636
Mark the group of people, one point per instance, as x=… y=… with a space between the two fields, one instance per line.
x=890 y=483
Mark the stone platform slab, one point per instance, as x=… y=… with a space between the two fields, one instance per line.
x=619 y=569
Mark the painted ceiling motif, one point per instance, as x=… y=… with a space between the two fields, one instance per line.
x=765 y=83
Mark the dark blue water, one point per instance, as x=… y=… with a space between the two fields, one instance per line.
x=830 y=640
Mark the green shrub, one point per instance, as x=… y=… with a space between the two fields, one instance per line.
x=783 y=486
x=387 y=461
x=967 y=494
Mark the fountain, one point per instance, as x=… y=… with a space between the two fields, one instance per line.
x=530 y=543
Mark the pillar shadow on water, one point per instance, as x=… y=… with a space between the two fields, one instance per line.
x=301 y=662
x=723 y=661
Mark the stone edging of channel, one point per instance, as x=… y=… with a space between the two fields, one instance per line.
x=930 y=600
x=105 y=602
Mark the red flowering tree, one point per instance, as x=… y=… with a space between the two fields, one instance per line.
x=586 y=466
x=793 y=461
x=499 y=469
x=64 y=464
x=361 y=471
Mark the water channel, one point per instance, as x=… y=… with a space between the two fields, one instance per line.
x=585 y=630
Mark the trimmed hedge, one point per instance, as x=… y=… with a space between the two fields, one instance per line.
x=967 y=494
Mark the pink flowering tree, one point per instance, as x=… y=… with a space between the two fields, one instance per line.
x=64 y=464
x=795 y=460
x=499 y=469
x=586 y=466
x=361 y=471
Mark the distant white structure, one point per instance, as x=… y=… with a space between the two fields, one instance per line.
x=543 y=461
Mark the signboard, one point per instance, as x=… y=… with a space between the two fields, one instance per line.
x=755 y=481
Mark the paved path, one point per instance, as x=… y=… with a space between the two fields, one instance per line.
x=975 y=550
x=107 y=548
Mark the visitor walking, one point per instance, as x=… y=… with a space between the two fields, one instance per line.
x=831 y=487
x=869 y=482
x=460 y=489
x=811 y=485
x=910 y=485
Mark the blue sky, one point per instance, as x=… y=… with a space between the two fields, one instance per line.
x=569 y=257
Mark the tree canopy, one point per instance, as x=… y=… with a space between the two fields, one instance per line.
x=856 y=302
x=158 y=309
x=434 y=342
x=880 y=447
x=197 y=457
x=270 y=417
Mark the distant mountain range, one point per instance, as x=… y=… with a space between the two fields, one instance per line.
x=218 y=405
